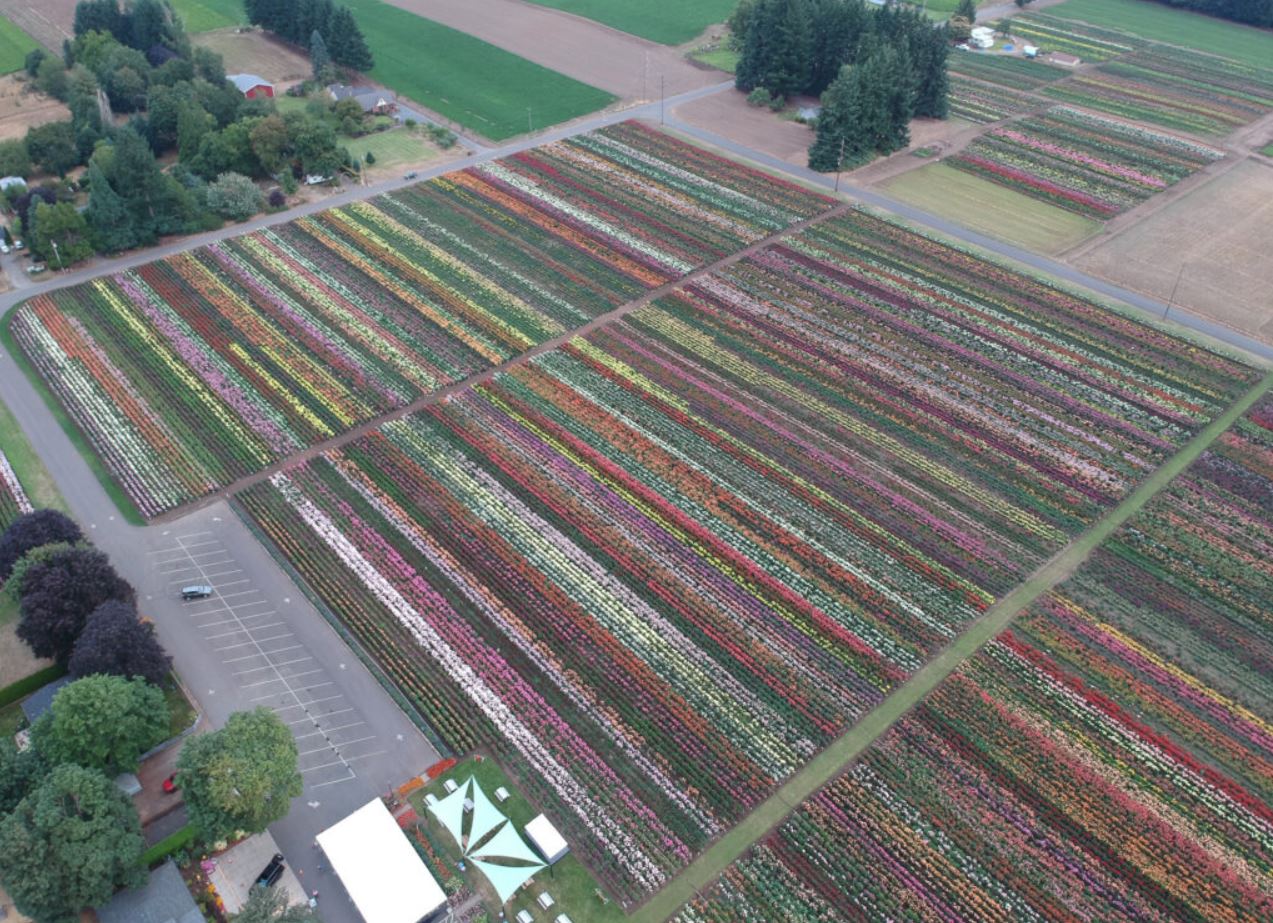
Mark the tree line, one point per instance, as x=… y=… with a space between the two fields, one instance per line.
x=76 y=610
x=1251 y=12
x=875 y=69
x=297 y=21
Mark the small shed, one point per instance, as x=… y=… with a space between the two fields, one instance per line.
x=163 y=899
x=252 y=86
x=40 y=701
x=547 y=841
x=1063 y=59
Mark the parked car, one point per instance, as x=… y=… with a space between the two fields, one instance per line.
x=19 y=245
x=271 y=873
x=412 y=175
x=35 y=269
x=5 y=248
x=196 y=591
x=170 y=784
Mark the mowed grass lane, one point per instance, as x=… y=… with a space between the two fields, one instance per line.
x=14 y=46
x=207 y=15
x=668 y=22
x=1176 y=27
x=486 y=89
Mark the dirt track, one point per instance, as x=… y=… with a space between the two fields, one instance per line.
x=46 y=21
x=622 y=64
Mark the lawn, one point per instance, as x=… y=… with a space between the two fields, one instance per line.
x=990 y=209
x=14 y=45
x=491 y=91
x=669 y=22
x=206 y=15
x=1164 y=24
x=181 y=713
x=719 y=57
x=26 y=464
x=569 y=882
x=397 y=146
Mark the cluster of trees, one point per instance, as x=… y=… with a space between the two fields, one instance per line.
x=876 y=69
x=68 y=836
x=1252 y=12
x=298 y=21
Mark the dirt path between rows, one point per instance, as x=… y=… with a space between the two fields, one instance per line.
x=629 y=67
x=441 y=395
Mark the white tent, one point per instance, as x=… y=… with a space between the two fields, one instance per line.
x=503 y=857
x=385 y=878
x=544 y=837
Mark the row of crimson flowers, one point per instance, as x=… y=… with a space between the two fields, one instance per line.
x=1109 y=757
x=192 y=371
x=658 y=568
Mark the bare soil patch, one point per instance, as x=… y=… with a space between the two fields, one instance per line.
x=256 y=53
x=16 y=659
x=46 y=21
x=619 y=63
x=22 y=108
x=728 y=115
x=1215 y=239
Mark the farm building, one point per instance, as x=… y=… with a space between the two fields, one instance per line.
x=252 y=86
x=1063 y=59
x=379 y=102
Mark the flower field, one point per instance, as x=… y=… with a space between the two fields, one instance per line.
x=656 y=569
x=1051 y=33
x=983 y=102
x=1085 y=163
x=1174 y=88
x=13 y=499
x=1109 y=757
x=192 y=371
x=1004 y=70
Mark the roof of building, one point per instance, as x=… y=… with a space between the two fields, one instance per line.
x=163 y=899
x=368 y=97
x=380 y=869
x=245 y=82
x=40 y=701
x=544 y=836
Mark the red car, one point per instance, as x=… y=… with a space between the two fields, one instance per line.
x=170 y=784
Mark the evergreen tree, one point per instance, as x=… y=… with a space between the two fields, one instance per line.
x=791 y=64
x=349 y=42
x=319 y=59
x=967 y=9
x=60 y=236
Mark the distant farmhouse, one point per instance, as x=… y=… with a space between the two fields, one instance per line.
x=252 y=86
x=378 y=102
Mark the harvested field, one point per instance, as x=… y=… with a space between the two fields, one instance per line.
x=728 y=115
x=1219 y=233
x=625 y=65
x=668 y=21
x=991 y=209
x=256 y=53
x=21 y=109
x=46 y=21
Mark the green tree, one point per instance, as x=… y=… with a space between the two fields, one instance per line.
x=193 y=125
x=234 y=196
x=14 y=159
x=319 y=58
x=103 y=722
x=149 y=25
x=967 y=9
x=51 y=77
x=269 y=905
x=52 y=147
x=346 y=42
x=13 y=585
x=739 y=21
x=241 y=777
x=156 y=204
x=107 y=217
x=60 y=235
x=208 y=65
x=271 y=143
x=69 y=844
x=20 y=772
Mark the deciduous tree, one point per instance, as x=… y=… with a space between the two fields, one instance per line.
x=42 y=527
x=59 y=593
x=103 y=722
x=115 y=642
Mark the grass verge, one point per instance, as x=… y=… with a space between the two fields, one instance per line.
x=991 y=209
x=207 y=15
x=1177 y=27
x=668 y=22
x=174 y=842
x=489 y=90
x=837 y=757
x=720 y=57
x=121 y=500
x=181 y=714
x=14 y=45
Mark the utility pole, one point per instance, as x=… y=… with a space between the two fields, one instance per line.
x=57 y=254
x=839 y=164
x=662 y=86
x=1172 y=300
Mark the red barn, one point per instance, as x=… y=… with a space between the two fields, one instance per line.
x=252 y=86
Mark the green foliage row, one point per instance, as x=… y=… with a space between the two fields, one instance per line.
x=174 y=843
x=28 y=684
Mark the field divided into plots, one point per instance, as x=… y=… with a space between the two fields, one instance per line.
x=1004 y=70
x=190 y=372
x=1108 y=757
x=657 y=569
x=982 y=102
x=1084 y=163
x=1089 y=43
x=1176 y=89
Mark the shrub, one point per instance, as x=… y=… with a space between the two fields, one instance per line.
x=759 y=97
x=234 y=196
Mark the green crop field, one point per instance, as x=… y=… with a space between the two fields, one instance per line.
x=14 y=45
x=669 y=22
x=1178 y=27
x=473 y=83
x=206 y=15
x=991 y=209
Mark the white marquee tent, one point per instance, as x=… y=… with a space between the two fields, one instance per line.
x=385 y=877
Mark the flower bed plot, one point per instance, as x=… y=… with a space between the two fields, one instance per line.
x=1088 y=164
x=1088 y=43
x=1174 y=88
x=13 y=499
x=192 y=371
x=980 y=102
x=1005 y=70
x=1109 y=757
x=660 y=567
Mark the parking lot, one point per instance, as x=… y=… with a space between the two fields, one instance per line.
x=257 y=649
